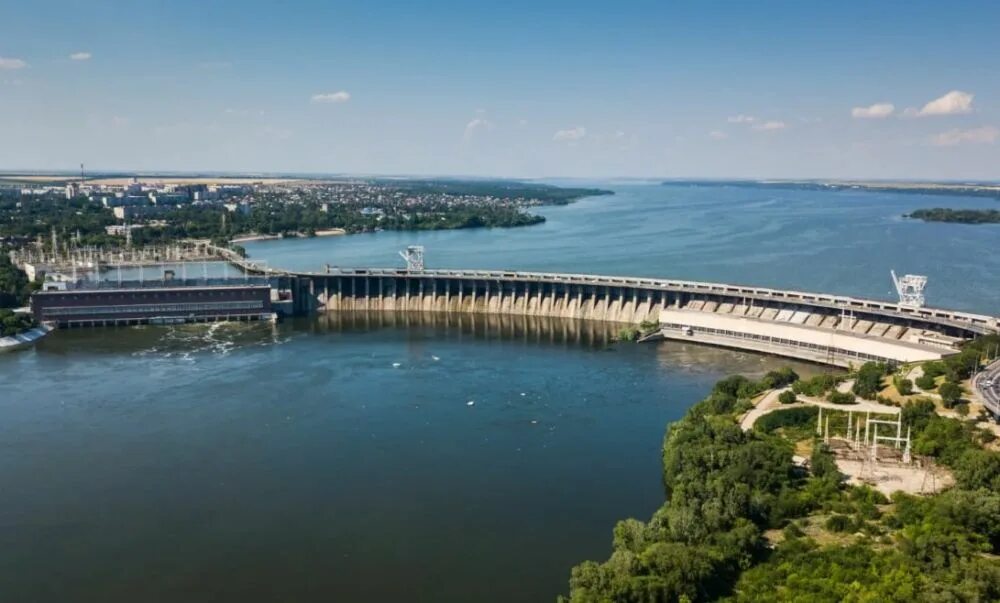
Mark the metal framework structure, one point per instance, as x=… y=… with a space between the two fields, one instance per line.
x=910 y=288
x=414 y=256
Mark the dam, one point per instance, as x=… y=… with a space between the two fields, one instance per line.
x=822 y=328
x=828 y=329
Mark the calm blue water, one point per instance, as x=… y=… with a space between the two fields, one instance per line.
x=833 y=242
x=338 y=459
x=331 y=460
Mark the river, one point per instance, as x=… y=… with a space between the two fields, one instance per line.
x=426 y=458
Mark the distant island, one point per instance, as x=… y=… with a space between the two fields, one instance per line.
x=960 y=216
x=969 y=189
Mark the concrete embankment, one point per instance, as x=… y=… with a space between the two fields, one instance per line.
x=24 y=340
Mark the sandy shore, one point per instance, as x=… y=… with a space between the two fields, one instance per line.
x=331 y=232
x=254 y=237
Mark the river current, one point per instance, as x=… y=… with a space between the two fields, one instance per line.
x=426 y=458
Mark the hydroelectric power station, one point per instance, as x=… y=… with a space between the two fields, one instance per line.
x=828 y=329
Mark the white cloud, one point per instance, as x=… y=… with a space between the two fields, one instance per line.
x=476 y=125
x=7 y=63
x=876 y=111
x=570 y=134
x=331 y=97
x=983 y=135
x=80 y=56
x=955 y=102
x=770 y=125
x=718 y=135
x=741 y=119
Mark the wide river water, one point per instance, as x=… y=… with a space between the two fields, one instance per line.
x=338 y=458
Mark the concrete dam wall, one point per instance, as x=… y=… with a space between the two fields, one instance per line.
x=338 y=293
x=818 y=327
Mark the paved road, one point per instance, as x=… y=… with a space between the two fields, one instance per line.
x=989 y=395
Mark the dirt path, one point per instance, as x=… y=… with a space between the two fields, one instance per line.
x=769 y=403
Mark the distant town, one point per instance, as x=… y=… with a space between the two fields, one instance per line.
x=125 y=211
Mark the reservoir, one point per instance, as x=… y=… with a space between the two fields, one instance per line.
x=419 y=457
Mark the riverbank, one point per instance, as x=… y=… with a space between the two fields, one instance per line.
x=744 y=521
x=326 y=232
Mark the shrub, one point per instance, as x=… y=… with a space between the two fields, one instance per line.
x=787 y=397
x=842 y=398
x=793 y=531
x=926 y=382
x=904 y=386
x=841 y=523
x=817 y=386
x=779 y=378
x=934 y=369
x=628 y=334
x=802 y=416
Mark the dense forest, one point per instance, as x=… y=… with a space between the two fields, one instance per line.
x=962 y=216
x=741 y=522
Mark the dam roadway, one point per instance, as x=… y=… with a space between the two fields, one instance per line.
x=823 y=328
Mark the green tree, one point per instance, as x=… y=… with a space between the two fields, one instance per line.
x=950 y=393
x=868 y=381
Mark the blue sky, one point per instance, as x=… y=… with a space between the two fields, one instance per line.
x=530 y=89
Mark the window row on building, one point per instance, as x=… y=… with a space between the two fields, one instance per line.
x=153 y=308
x=786 y=342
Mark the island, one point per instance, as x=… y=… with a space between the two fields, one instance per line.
x=960 y=216
x=968 y=189
x=797 y=502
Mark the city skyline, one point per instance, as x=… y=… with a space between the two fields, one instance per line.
x=720 y=90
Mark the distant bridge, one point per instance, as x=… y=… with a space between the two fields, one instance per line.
x=828 y=329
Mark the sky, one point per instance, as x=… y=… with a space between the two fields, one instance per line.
x=582 y=89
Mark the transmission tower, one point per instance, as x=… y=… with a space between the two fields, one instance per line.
x=414 y=256
x=910 y=288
